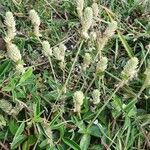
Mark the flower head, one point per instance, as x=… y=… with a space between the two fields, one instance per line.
x=59 y=52
x=95 y=9
x=34 y=17
x=47 y=51
x=11 y=26
x=87 y=21
x=78 y=101
x=87 y=60
x=112 y=27
x=13 y=53
x=96 y=96
x=130 y=69
x=80 y=6
x=102 y=65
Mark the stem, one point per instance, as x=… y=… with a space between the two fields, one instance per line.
x=140 y=92
x=72 y=67
x=105 y=104
x=49 y=58
x=90 y=84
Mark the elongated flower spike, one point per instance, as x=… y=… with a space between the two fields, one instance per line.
x=86 y=61
x=35 y=19
x=80 y=6
x=96 y=96
x=11 y=26
x=109 y=32
x=59 y=52
x=112 y=27
x=101 y=65
x=47 y=51
x=78 y=101
x=130 y=69
x=95 y=10
x=87 y=21
x=14 y=54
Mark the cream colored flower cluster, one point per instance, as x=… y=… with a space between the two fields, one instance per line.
x=87 y=16
x=130 y=69
x=78 y=98
x=12 y=50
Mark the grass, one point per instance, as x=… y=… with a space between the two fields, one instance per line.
x=37 y=107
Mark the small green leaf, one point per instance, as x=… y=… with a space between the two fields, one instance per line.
x=126 y=45
x=72 y=144
x=4 y=67
x=26 y=75
x=13 y=126
x=95 y=131
x=130 y=109
x=85 y=141
x=17 y=141
x=20 y=130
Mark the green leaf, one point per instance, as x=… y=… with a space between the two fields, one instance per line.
x=130 y=108
x=26 y=75
x=17 y=141
x=25 y=146
x=44 y=143
x=20 y=129
x=36 y=108
x=4 y=67
x=126 y=45
x=148 y=28
x=117 y=106
x=95 y=131
x=13 y=126
x=72 y=144
x=85 y=141
x=18 y=138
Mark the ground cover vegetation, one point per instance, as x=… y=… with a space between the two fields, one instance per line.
x=75 y=74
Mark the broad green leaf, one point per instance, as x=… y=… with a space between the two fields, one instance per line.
x=85 y=142
x=72 y=144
